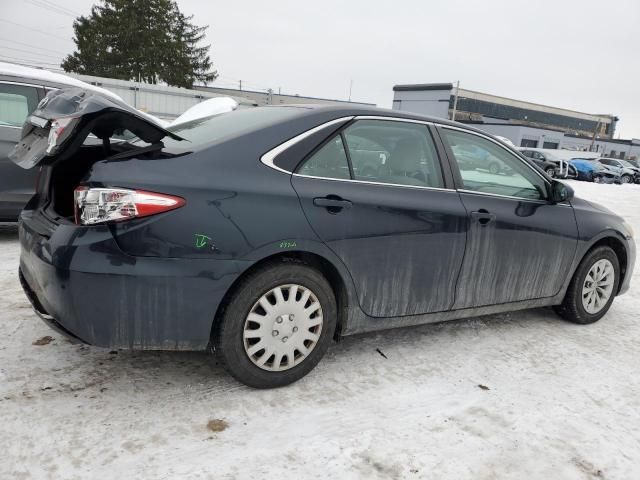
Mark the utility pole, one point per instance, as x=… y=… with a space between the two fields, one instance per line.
x=270 y=97
x=350 y=89
x=455 y=102
x=240 y=85
x=593 y=138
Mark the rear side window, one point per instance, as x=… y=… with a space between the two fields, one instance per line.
x=380 y=151
x=16 y=103
x=328 y=162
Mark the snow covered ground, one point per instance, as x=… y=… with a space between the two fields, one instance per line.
x=519 y=395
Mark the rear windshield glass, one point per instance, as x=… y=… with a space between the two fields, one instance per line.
x=211 y=129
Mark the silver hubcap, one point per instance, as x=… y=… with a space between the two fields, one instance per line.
x=283 y=327
x=598 y=286
x=626 y=179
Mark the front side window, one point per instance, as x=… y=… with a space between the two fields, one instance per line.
x=16 y=102
x=486 y=167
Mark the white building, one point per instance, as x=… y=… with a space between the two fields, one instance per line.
x=526 y=124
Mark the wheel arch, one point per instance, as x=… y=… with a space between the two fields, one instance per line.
x=313 y=260
x=612 y=241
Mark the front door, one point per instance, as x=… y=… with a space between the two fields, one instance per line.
x=375 y=194
x=519 y=246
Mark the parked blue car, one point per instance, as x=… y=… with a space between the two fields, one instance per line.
x=592 y=171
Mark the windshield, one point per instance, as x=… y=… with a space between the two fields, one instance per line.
x=626 y=164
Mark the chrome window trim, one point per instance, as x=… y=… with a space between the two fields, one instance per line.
x=375 y=183
x=486 y=137
x=269 y=157
x=521 y=199
x=20 y=84
x=393 y=119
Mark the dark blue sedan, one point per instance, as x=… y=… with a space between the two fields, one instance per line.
x=266 y=233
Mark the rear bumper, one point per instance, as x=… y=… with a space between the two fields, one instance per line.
x=82 y=285
x=43 y=314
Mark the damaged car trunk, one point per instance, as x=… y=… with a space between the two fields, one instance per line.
x=72 y=129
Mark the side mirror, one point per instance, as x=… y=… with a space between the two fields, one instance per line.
x=560 y=192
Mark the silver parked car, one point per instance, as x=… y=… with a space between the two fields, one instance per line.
x=628 y=172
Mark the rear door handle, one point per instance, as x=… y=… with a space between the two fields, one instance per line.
x=483 y=217
x=332 y=203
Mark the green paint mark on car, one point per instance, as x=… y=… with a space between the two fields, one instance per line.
x=288 y=244
x=201 y=240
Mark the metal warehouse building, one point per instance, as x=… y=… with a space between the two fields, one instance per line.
x=170 y=102
x=526 y=124
x=272 y=98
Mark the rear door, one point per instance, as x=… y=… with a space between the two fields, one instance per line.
x=16 y=185
x=376 y=194
x=519 y=246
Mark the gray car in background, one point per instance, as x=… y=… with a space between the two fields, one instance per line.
x=18 y=97
x=21 y=89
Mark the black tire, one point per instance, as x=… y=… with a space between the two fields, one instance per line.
x=494 y=168
x=626 y=179
x=551 y=172
x=228 y=338
x=571 y=308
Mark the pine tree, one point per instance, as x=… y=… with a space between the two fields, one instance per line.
x=149 y=40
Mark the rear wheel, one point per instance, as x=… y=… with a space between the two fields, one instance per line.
x=277 y=326
x=592 y=287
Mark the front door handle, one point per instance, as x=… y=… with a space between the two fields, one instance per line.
x=332 y=203
x=483 y=217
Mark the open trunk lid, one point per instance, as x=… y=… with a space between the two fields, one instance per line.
x=66 y=117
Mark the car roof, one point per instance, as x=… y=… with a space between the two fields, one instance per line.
x=355 y=110
x=19 y=73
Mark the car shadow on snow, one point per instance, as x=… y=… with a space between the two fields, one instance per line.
x=198 y=372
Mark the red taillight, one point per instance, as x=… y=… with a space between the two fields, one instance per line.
x=99 y=205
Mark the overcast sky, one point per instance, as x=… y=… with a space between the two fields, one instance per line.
x=578 y=54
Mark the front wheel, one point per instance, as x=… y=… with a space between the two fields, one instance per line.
x=277 y=325
x=494 y=168
x=551 y=172
x=626 y=179
x=592 y=287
